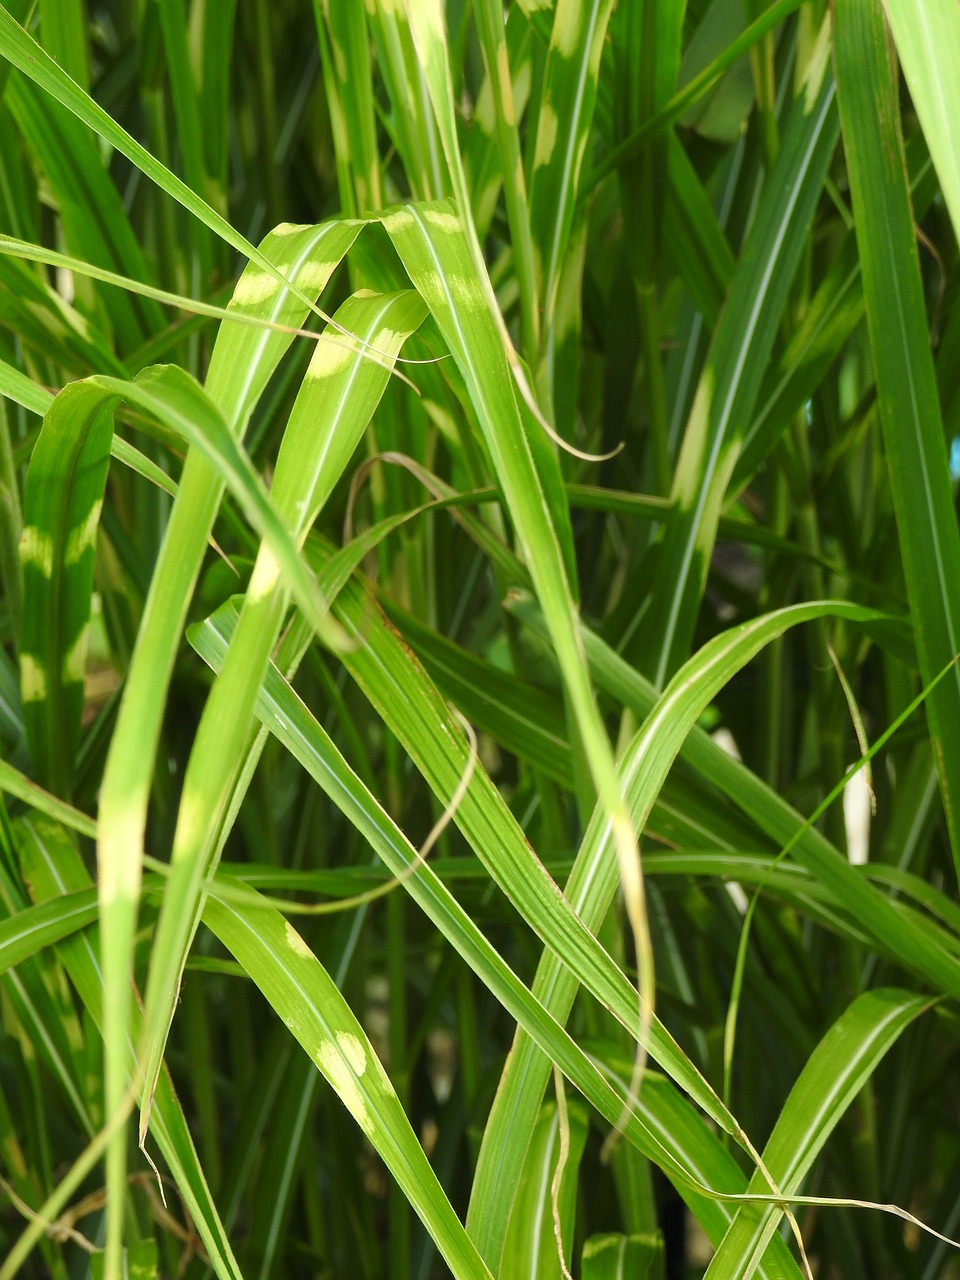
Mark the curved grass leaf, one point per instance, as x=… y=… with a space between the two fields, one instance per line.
x=171 y=395
x=62 y=500
x=531 y=1247
x=437 y=253
x=18 y=48
x=924 y=951
x=95 y=223
x=17 y=784
x=24 y=934
x=592 y=883
x=442 y=255
x=842 y=1063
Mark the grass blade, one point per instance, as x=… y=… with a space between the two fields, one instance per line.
x=307 y=999
x=841 y=1064
x=240 y=367
x=928 y=42
x=731 y=380
x=340 y=392
x=64 y=493
x=907 y=396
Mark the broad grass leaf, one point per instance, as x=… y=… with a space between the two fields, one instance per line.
x=307 y=1000
x=617 y=1257
x=839 y=1067
x=531 y=1247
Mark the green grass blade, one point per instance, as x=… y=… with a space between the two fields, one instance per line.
x=62 y=24
x=49 y=327
x=563 y=128
x=842 y=1063
x=171 y=395
x=907 y=396
x=348 y=81
x=241 y=365
x=24 y=53
x=731 y=380
x=339 y=394
x=16 y=784
x=24 y=934
x=489 y=18
x=211 y=36
x=617 y=1257
x=524 y=719
x=55 y=869
x=531 y=1245
x=16 y=386
x=928 y=42
x=667 y=1129
x=592 y=883
x=62 y=500
x=442 y=255
x=37 y=253
x=308 y=1001
x=436 y=251
x=95 y=224
x=410 y=123
x=921 y=950
x=381 y=663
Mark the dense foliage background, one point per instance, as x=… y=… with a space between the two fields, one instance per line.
x=608 y=524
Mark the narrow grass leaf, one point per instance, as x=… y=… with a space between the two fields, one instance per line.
x=95 y=223
x=348 y=81
x=732 y=377
x=489 y=17
x=907 y=398
x=169 y=393
x=29 y=931
x=668 y=1130
x=436 y=250
x=531 y=1245
x=924 y=951
x=20 y=49
x=592 y=883
x=440 y=251
x=563 y=129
